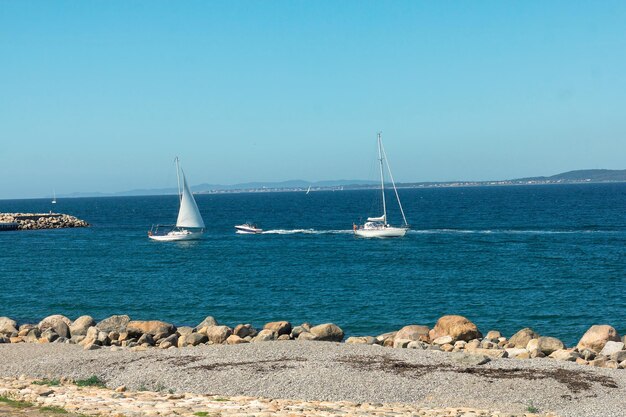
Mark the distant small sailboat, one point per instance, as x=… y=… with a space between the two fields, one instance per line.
x=378 y=226
x=189 y=224
x=309 y=190
x=54 y=197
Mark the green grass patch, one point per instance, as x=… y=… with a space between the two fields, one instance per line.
x=532 y=409
x=201 y=413
x=56 y=410
x=92 y=381
x=48 y=382
x=13 y=403
x=220 y=399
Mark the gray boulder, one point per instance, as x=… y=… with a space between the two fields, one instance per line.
x=218 y=334
x=151 y=327
x=244 y=330
x=57 y=322
x=328 y=332
x=80 y=326
x=116 y=323
x=7 y=326
x=192 y=339
x=611 y=347
x=208 y=321
x=279 y=327
x=413 y=332
x=522 y=337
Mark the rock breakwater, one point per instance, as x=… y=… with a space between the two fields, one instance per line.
x=601 y=346
x=36 y=221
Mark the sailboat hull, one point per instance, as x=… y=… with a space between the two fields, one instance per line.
x=177 y=236
x=381 y=233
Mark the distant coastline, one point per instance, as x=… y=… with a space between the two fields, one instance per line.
x=589 y=176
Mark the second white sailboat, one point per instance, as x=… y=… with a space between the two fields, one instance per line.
x=378 y=226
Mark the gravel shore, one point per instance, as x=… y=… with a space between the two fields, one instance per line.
x=335 y=372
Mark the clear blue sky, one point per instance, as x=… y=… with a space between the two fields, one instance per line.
x=101 y=95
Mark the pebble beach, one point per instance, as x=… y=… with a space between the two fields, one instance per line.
x=154 y=368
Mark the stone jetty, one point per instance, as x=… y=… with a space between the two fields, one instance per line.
x=36 y=221
x=601 y=346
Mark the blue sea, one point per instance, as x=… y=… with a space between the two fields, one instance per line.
x=549 y=257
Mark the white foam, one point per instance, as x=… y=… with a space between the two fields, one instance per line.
x=304 y=231
x=505 y=231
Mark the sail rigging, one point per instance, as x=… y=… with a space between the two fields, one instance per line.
x=188 y=215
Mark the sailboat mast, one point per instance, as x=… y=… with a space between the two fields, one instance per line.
x=394 y=187
x=382 y=178
x=180 y=194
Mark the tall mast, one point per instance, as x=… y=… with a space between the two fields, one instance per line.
x=180 y=194
x=394 y=187
x=382 y=178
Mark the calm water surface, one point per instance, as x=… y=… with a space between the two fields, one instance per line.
x=549 y=257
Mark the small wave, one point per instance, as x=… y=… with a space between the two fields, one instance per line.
x=304 y=231
x=507 y=231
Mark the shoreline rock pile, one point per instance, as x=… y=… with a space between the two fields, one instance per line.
x=600 y=346
x=37 y=221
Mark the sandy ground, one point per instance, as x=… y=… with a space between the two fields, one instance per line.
x=336 y=372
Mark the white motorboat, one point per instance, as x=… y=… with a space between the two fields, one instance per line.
x=248 y=229
x=378 y=226
x=189 y=224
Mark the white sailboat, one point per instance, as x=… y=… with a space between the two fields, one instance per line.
x=189 y=224
x=378 y=226
x=54 y=197
x=308 y=190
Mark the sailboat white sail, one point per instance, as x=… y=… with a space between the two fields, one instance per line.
x=54 y=197
x=378 y=226
x=189 y=224
x=188 y=215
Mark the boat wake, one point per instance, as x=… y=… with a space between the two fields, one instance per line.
x=508 y=231
x=305 y=232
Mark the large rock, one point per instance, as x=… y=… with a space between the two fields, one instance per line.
x=515 y=352
x=386 y=338
x=413 y=332
x=192 y=339
x=545 y=344
x=279 y=327
x=233 y=339
x=57 y=322
x=328 y=332
x=114 y=324
x=218 y=334
x=564 y=355
x=80 y=326
x=7 y=325
x=522 y=337
x=596 y=337
x=361 y=340
x=265 y=335
x=90 y=337
x=457 y=327
x=151 y=327
x=611 y=347
x=208 y=321
x=244 y=330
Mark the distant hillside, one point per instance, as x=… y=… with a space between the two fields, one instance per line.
x=578 y=176
x=591 y=175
